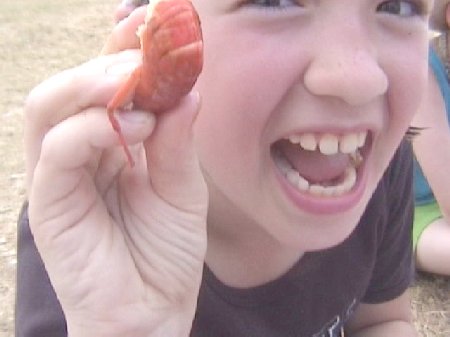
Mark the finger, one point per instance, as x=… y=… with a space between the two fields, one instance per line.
x=123 y=35
x=70 y=146
x=63 y=192
x=91 y=84
x=72 y=143
x=171 y=157
x=125 y=8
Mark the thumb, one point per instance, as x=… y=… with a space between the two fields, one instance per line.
x=172 y=160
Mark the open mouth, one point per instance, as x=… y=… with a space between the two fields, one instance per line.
x=321 y=164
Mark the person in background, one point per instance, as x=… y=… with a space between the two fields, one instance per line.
x=280 y=206
x=431 y=232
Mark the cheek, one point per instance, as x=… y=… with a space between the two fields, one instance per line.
x=238 y=97
x=407 y=74
x=405 y=97
x=228 y=127
x=407 y=77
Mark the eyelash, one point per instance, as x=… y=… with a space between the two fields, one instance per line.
x=416 y=7
x=272 y=4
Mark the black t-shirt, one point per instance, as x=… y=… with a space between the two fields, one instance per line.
x=315 y=298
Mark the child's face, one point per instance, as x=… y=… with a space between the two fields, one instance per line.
x=333 y=72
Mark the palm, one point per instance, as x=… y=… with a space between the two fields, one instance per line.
x=125 y=245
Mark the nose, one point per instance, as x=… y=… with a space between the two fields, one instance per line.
x=346 y=72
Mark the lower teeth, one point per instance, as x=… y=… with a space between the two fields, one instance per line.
x=299 y=182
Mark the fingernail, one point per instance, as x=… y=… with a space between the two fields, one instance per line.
x=197 y=100
x=135 y=116
x=194 y=96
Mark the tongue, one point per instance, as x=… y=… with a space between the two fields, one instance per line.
x=313 y=165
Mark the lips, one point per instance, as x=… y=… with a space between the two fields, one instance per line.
x=321 y=164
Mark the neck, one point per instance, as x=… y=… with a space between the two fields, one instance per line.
x=244 y=256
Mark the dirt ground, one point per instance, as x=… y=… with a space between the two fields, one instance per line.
x=41 y=37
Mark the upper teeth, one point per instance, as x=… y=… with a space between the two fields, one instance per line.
x=329 y=143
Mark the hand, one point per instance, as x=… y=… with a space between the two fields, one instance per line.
x=123 y=247
x=126 y=7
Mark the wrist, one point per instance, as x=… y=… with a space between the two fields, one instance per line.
x=173 y=326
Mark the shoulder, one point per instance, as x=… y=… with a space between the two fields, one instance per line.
x=385 y=229
x=397 y=179
x=401 y=163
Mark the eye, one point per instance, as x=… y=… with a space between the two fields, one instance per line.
x=275 y=4
x=401 y=8
x=136 y=3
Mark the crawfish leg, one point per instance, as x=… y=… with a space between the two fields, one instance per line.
x=125 y=91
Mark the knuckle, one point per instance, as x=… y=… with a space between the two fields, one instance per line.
x=48 y=146
x=42 y=99
x=32 y=103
